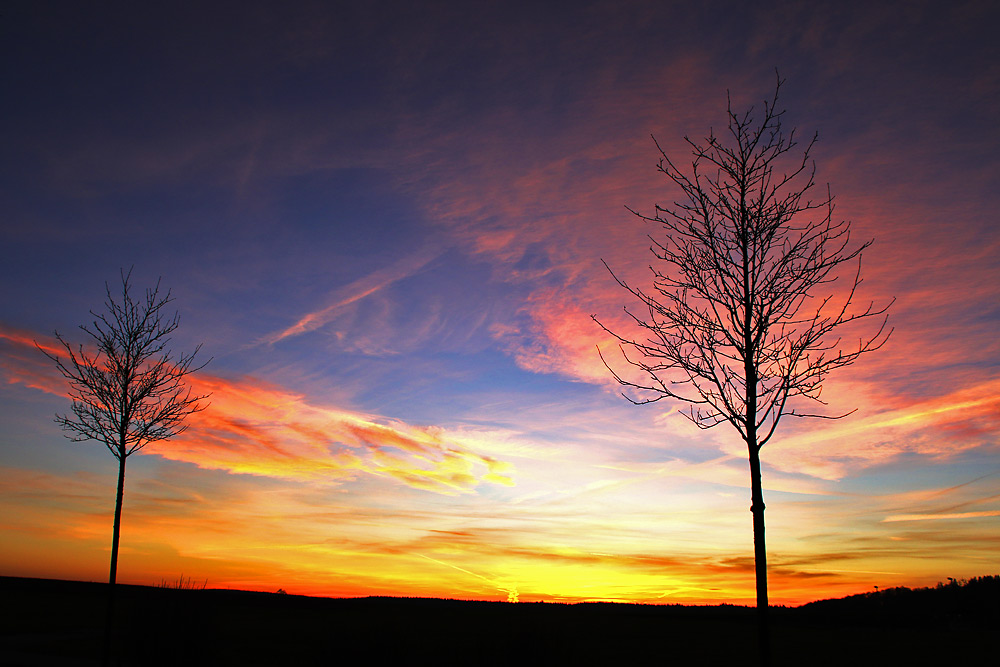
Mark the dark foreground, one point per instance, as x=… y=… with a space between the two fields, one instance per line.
x=44 y=622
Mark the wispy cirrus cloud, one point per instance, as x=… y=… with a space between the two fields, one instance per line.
x=938 y=517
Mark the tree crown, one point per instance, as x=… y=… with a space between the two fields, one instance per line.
x=128 y=389
x=732 y=325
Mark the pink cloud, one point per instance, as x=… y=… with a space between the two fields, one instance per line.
x=545 y=214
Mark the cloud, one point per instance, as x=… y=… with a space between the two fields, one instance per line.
x=940 y=428
x=264 y=430
x=256 y=428
x=560 y=338
x=22 y=363
x=933 y=517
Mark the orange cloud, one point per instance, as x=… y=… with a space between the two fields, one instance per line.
x=941 y=428
x=260 y=429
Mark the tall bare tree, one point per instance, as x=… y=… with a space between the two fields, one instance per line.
x=733 y=325
x=127 y=387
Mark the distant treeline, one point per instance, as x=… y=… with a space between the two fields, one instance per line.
x=958 y=601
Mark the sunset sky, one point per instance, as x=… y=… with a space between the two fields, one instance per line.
x=385 y=222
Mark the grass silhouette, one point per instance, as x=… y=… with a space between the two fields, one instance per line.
x=184 y=583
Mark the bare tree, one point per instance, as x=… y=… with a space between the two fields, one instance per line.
x=127 y=390
x=733 y=326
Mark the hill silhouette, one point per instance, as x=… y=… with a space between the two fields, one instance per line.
x=45 y=622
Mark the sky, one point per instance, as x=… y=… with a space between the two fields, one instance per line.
x=385 y=224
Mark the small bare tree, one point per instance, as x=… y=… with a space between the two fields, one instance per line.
x=127 y=390
x=733 y=326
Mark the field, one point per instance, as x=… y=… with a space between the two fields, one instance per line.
x=45 y=622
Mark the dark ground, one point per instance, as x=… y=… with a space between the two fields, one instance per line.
x=46 y=622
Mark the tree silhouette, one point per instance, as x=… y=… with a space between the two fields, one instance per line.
x=128 y=390
x=733 y=326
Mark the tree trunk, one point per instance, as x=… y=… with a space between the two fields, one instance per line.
x=118 y=520
x=114 y=560
x=750 y=341
x=760 y=557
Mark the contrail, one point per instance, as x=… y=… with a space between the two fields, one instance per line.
x=511 y=591
x=356 y=291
